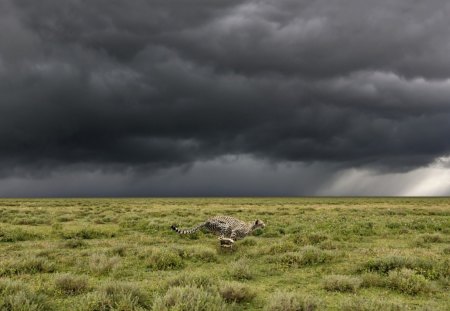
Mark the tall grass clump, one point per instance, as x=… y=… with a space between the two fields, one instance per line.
x=192 y=279
x=189 y=299
x=74 y=243
x=365 y=304
x=116 y=296
x=30 y=265
x=162 y=259
x=384 y=265
x=342 y=283
x=280 y=247
x=16 y=235
x=307 y=256
x=71 y=284
x=371 y=279
x=287 y=301
x=236 y=292
x=310 y=239
x=101 y=264
x=16 y=295
x=427 y=239
x=249 y=241
x=197 y=253
x=119 y=250
x=88 y=233
x=241 y=270
x=432 y=238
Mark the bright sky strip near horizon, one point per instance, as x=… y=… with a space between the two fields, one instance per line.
x=225 y=97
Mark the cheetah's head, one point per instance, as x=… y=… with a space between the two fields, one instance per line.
x=258 y=224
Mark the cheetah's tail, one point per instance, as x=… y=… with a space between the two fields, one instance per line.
x=187 y=231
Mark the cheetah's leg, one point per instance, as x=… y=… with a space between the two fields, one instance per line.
x=225 y=242
x=233 y=235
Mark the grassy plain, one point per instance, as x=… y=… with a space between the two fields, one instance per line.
x=314 y=254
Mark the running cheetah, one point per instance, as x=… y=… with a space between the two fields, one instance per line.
x=229 y=229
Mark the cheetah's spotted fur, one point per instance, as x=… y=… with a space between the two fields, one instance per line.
x=229 y=229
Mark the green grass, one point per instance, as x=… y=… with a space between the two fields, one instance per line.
x=314 y=254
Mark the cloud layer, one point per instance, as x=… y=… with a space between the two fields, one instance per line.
x=142 y=86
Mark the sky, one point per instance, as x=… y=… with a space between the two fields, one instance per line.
x=224 y=98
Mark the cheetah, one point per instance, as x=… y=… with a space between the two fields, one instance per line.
x=229 y=229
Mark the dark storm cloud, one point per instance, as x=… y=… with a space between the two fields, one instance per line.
x=156 y=84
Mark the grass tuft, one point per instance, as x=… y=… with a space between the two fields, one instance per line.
x=424 y=266
x=197 y=253
x=74 y=243
x=189 y=299
x=365 y=304
x=310 y=239
x=100 y=264
x=192 y=279
x=88 y=233
x=370 y=279
x=16 y=235
x=280 y=247
x=307 y=256
x=15 y=295
x=30 y=265
x=342 y=283
x=162 y=259
x=71 y=284
x=236 y=292
x=116 y=296
x=407 y=281
x=286 y=301
x=241 y=270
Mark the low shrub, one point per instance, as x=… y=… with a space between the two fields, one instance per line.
x=236 y=292
x=286 y=301
x=71 y=284
x=189 y=299
x=342 y=283
x=407 y=281
x=370 y=279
